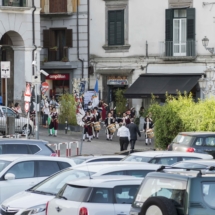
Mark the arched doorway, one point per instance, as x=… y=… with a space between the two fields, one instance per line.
x=9 y=42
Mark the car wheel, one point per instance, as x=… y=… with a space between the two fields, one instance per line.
x=158 y=206
x=24 y=129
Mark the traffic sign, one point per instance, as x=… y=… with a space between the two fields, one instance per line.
x=5 y=69
x=45 y=87
x=27 y=93
x=27 y=107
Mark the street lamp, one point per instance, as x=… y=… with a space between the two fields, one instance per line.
x=207 y=84
x=205 y=42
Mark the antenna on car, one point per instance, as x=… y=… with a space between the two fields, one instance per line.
x=88 y=172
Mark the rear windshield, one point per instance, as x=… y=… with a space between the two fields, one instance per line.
x=3 y=164
x=50 y=148
x=53 y=184
x=74 y=193
x=182 y=139
x=137 y=158
x=171 y=189
x=189 y=165
x=79 y=160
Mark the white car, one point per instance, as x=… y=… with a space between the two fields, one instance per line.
x=36 y=197
x=20 y=122
x=95 y=196
x=164 y=157
x=20 y=172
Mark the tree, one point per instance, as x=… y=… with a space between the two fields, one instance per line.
x=121 y=102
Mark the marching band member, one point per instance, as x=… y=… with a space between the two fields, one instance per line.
x=126 y=119
x=87 y=127
x=108 y=121
x=96 y=119
x=54 y=122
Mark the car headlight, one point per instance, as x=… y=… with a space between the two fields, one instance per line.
x=35 y=210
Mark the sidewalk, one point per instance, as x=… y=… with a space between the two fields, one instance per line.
x=97 y=146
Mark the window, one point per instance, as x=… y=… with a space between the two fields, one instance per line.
x=97 y=160
x=3 y=164
x=9 y=112
x=47 y=168
x=138 y=173
x=57 y=41
x=116 y=173
x=210 y=141
x=208 y=189
x=116 y=27
x=16 y=149
x=190 y=158
x=134 y=158
x=199 y=142
x=64 y=165
x=125 y=194
x=182 y=139
x=101 y=195
x=180 y=32
x=14 y=3
x=23 y=170
x=33 y=149
x=164 y=161
x=57 y=6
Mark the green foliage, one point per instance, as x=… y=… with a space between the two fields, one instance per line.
x=120 y=102
x=179 y=114
x=67 y=109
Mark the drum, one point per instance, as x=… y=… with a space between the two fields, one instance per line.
x=150 y=133
x=97 y=126
x=112 y=128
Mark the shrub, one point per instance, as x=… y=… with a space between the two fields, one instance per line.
x=121 y=101
x=67 y=109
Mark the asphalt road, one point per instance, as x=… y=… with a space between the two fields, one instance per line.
x=97 y=146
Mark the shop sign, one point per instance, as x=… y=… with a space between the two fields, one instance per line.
x=117 y=80
x=58 y=77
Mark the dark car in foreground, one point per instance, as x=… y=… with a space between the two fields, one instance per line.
x=200 y=142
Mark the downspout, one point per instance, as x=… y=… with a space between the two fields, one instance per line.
x=88 y=37
x=33 y=31
x=78 y=54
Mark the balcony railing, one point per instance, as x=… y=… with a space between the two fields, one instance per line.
x=177 y=50
x=14 y=3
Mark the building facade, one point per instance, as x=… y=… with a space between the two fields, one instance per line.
x=20 y=34
x=64 y=42
x=150 y=46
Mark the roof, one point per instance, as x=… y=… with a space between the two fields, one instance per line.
x=169 y=153
x=106 y=181
x=18 y=141
x=198 y=133
x=179 y=174
x=199 y=161
x=160 y=84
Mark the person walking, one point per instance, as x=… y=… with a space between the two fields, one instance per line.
x=148 y=125
x=124 y=137
x=134 y=130
x=54 y=123
x=45 y=113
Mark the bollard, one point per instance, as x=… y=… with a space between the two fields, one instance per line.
x=66 y=128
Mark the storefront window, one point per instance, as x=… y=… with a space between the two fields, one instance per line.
x=14 y=3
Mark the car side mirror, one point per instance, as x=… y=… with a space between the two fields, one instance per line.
x=9 y=176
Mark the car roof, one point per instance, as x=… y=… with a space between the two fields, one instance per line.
x=18 y=141
x=173 y=174
x=98 y=156
x=21 y=157
x=200 y=161
x=198 y=133
x=106 y=181
x=170 y=153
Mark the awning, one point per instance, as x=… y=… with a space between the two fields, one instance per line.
x=115 y=71
x=160 y=84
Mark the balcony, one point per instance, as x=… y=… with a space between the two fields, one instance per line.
x=182 y=51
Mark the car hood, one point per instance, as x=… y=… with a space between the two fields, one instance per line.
x=24 y=200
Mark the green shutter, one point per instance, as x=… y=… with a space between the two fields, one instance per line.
x=116 y=27
x=191 y=32
x=169 y=32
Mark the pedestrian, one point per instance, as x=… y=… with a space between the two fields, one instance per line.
x=133 y=113
x=142 y=117
x=148 y=125
x=45 y=111
x=110 y=127
x=124 y=137
x=104 y=106
x=134 y=130
x=50 y=119
x=54 y=122
x=17 y=108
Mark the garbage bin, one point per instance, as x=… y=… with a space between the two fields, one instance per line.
x=10 y=129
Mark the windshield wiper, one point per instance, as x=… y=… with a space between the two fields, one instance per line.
x=63 y=197
x=41 y=192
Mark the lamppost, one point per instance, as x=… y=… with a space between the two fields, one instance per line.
x=205 y=42
x=207 y=84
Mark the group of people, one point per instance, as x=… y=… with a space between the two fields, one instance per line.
x=127 y=129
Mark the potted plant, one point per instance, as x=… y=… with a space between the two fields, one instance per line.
x=54 y=48
x=65 y=59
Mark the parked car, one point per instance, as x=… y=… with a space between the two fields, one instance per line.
x=20 y=121
x=36 y=197
x=26 y=146
x=102 y=195
x=178 y=192
x=19 y=173
x=164 y=157
x=195 y=164
x=200 y=142
x=96 y=158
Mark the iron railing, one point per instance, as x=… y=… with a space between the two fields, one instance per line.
x=171 y=49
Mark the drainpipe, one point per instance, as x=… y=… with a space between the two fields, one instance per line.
x=88 y=36
x=78 y=54
x=33 y=31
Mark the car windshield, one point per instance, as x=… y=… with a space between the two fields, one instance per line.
x=171 y=189
x=3 y=164
x=189 y=165
x=137 y=158
x=54 y=183
x=79 y=160
x=182 y=139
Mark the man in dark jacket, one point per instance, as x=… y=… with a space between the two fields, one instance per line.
x=134 y=130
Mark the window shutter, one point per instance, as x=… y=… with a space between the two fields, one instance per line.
x=69 y=38
x=120 y=27
x=111 y=27
x=58 y=6
x=45 y=38
x=52 y=42
x=191 y=32
x=169 y=32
